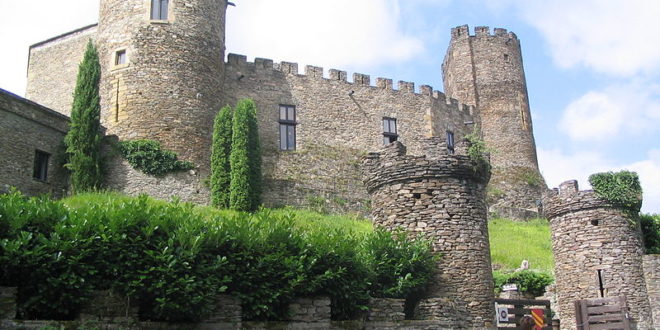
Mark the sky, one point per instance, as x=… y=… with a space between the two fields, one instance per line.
x=592 y=66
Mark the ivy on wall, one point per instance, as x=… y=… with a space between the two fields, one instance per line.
x=148 y=157
x=478 y=152
x=622 y=189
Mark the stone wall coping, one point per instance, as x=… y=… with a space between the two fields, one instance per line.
x=64 y=36
x=568 y=198
x=10 y=102
x=463 y=32
x=240 y=63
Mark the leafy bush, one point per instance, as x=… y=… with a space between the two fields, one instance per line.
x=528 y=281
x=220 y=151
x=478 y=152
x=651 y=232
x=621 y=189
x=83 y=140
x=148 y=157
x=245 y=159
x=172 y=259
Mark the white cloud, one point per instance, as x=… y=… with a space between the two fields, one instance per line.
x=340 y=33
x=609 y=36
x=558 y=166
x=631 y=109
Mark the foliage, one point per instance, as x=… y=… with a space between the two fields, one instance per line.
x=528 y=281
x=83 y=140
x=511 y=242
x=478 y=152
x=148 y=157
x=172 y=259
x=245 y=159
x=651 y=232
x=220 y=151
x=530 y=177
x=621 y=189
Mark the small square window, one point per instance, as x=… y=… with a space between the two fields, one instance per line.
x=450 y=142
x=287 y=127
x=120 y=57
x=159 y=9
x=40 y=171
x=389 y=130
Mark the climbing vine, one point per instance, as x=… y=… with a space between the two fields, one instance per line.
x=148 y=157
x=622 y=189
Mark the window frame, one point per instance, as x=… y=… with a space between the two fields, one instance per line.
x=287 y=124
x=40 y=165
x=389 y=134
x=451 y=142
x=156 y=12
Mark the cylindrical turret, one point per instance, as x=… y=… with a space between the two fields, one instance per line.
x=441 y=196
x=487 y=71
x=598 y=253
x=162 y=71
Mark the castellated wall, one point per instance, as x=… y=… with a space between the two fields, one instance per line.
x=53 y=68
x=442 y=197
x=595 y=243
x=24 y=128
x=486 y=70
x=337 y=122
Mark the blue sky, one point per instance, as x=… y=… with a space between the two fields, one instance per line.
x=592 y=66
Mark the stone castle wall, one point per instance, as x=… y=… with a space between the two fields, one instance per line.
x=442 y=197
x=486 y=70
x=651 y=264
x=337 y=122
x=53 y=68
x=24 y=128
x=594 y=243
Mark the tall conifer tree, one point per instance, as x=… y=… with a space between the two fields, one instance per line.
x=245 y=159
x=83 y=141
x=220 y=165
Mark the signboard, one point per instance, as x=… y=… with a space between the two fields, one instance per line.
x=502 y=314
x=509 y=287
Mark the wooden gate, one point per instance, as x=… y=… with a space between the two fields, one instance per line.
x=516 y=309
x=602 y=313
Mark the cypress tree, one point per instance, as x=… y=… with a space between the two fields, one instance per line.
x=83 y=141
x=220 y=151
x=245 y=159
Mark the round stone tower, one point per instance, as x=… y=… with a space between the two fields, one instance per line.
x=162 y=69
x=487 y=71
x=441 y=196
x=598 y=253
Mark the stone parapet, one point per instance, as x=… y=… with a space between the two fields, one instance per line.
x=386 y=309
x=568 y=198
x=310 y=310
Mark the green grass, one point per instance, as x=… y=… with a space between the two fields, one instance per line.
x=512 y=242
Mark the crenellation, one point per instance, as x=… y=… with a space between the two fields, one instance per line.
x=384 y=83
x=426 y=90
x=482 y=31
x=265 y=64
x=361 y=79
x=338 y=75
x=314 y=71
x=406 y=87
x=289 y=67
x=460 y=32
x=237 y=60
x=500 y=32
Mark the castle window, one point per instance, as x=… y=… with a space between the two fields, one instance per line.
x=120 y=57
x=159 y=9
x=450 y=142
x=389 y=130
x=287 y=127
x=40 y=171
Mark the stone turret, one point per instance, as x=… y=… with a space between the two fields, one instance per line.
x=162 y=71
x=440 y=195
x=598 y=253
x=486 y=70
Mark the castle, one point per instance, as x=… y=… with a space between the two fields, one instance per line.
x=164 y=77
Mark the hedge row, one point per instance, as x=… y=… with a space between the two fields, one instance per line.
x=171 y=260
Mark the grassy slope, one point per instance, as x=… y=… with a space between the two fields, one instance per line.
x=510 y=241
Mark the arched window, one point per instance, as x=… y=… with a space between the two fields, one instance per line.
x=159 y=9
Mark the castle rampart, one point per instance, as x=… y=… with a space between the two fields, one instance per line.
x=441 y=196
x=598 y=253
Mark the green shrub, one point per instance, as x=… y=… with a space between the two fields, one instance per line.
x=622 y=189
x=220 y=151
x=478 y=152
x=148 y=157
x=528 y=281
x=245 y=159
x=651 y=232
x=83 y=140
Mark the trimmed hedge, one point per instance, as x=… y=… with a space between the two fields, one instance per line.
x=528 y=281
x=245 y=159
x=172 y=259
x=148 y=157
x=220 y=151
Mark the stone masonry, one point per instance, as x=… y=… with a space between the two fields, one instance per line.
x=27 y=128
x=440 y=196
x=598 y=253
x=486 y=70
x=652 y=277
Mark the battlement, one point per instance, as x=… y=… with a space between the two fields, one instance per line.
x=242 y=67
x=568 y=198
x=463 y=32
x=392 y=164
